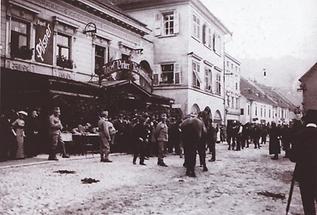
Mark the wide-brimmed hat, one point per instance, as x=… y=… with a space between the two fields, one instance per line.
x=22 y=112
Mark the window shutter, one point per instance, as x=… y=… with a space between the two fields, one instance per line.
x=158 y=24
x=177 y=73
x=156 y=74
x=176 y=22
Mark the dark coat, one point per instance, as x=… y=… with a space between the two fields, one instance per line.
x=304 y=153
x=274 y=145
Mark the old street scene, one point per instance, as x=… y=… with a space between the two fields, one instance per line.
x=158 y=107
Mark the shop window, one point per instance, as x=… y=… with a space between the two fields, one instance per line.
x=208 y=79
x=99 y=59
x=168 y=22
x=196 y=71
x=20 y=36
x=196 y=27
x=167 y=75
x=218 y=83
x=63 y=51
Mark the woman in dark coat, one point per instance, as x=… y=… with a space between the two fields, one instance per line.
x=274 y=145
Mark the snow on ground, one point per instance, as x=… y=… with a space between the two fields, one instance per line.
x=231 y=186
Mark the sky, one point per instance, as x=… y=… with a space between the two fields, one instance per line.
x=269 y=28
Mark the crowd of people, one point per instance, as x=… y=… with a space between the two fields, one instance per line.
x=145 y=134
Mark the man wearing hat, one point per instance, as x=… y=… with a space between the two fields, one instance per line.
x=55 y=129
x=304 y=153
x=105 y=128
x=161 y=136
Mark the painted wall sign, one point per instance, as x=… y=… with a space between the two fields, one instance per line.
x=125 y=65
x=44 y=42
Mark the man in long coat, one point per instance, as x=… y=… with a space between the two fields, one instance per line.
x=304 y=153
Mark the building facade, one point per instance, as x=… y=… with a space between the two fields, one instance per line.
x=188 y=53
x=52 y=49
x=232 y=89
x=309 y=88
x=262 y=104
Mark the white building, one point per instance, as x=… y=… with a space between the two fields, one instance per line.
x=188 y=52
x=232 y=87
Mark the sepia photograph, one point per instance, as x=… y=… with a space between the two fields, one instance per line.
x=162 y=107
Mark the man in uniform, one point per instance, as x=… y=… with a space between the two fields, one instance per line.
x=55 y=129
x=105 y=128
x=161 y=136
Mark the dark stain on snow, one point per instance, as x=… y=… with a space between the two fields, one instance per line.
x=275 y=196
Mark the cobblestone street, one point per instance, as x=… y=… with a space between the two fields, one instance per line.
x=235 y=184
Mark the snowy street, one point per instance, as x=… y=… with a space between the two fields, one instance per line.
x=239 y=182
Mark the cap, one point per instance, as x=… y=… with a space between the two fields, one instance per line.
x=22 y=112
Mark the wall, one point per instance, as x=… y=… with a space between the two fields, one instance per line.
x=310 y=92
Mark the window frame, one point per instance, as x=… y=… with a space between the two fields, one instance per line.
x=18 y=51
x=167 y=72
x=196 y=82
x=196 y=26
x=171 y=28
x=66 y=62
x=218 y=83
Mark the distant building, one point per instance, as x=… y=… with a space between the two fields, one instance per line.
x=263 y=104
x=188 y=52
x=256 y=107
x=309 y=88
x=232 y=88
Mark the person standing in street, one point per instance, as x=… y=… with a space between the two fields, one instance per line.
x=105 y=128
x=55 y=130
x=161 y=136
x=303 y=152
x=274 y=144
x=33 y=128
x=18 y=130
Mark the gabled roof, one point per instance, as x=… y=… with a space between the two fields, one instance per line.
x=251 y=92
x=309 y=72
x=275 y=96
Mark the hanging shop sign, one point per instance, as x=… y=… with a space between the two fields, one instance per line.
x=122 y=65
x=44 y=42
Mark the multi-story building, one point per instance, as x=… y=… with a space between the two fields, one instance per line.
x=309 y=88
x=52 y=49
x=232 y=89
x=188 y=52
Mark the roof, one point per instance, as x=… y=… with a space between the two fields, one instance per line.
x=280 y=100
x=251 y=92
x=309 y=72
x=136 y=4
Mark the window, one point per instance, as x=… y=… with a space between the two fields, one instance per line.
x=227 y=64
x=242 y=111
x=261 y=111
x=217 y=44
x=237 y=103
x=63 y=51
x=208 y=79
x=269 y=113
x=248 y=110
x=204 y=34
x=99 y=58
x=167 y=74
x=196 y=27
x=232 y=103
x=228 y=101
x=209 y=38
x=168 y=23
x=236 y=85
x=196 y=70
x=218 y=83
x=256 y=110
x=20 y=34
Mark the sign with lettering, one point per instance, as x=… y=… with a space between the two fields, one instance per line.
x=44 y=42
x=19 y=66
x=63 y=74
x=125 y=66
